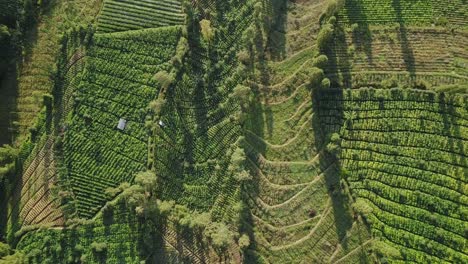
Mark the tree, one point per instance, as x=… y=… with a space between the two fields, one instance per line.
x=361 y=207
x=219 y=235
x=244 y=242
x=243 y=95
x=146 y=179
x=134 y=196
x=8 y=155
x=325 y=36
x=206 y=30
x=242 y=175
x=164 y=79
x=4 y=34
x=99 y=247
x=157 y=105
x=326 y=83
x=201 y=221
x=244 y=57
x=16 y=258
x=321 y=61
x=4 y=250
x=315 y=76
x=48 y=99
x=165 y=207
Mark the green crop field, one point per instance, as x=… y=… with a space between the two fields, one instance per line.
x=122 y=15
x=117 y=82
x=235 y=131
x=403 y=156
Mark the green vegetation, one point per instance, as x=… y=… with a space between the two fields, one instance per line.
x=421 y=12
x=117 y=82
x=403 y=156
x=273 y=131
x=122 y=15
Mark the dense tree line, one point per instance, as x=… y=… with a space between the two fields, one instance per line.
x=16 y=17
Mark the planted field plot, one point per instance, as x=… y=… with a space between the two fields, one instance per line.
x=113 y=240
x=192 y=150
x=41 y=52
x=436 y=57
x=298 y=207
x=422 y=12
x=117 y=83
x=32 y=201
x=403 y=152
x=123 y=15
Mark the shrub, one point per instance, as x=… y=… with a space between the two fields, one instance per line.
x=326 y=83
x=206 y=30
x=99 y=247
x=244 y=242
x=164 y=79
x=4 y=250
x=321 y=61
x=325 y=37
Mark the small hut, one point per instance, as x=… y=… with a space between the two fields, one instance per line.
x=122 y=124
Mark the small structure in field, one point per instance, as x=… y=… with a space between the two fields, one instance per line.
x=122 y=124
x=161 y=123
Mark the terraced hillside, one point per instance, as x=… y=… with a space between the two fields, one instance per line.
x=299 y=209
x=117 y=82
x=272 y=131
x=118 y=233
x=122 y=15
x=199 y=114
x=35 y=77
x=406 y=12
x=400 y=43
x=403 y=154
x=33 y=200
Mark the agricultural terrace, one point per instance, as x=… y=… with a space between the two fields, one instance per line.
x=408 y=12
x=123 y=15
x=298 y=208
x=400 y=43
x=111 y=238
x=37 y=69
x=403 y=155
x=236 y=138
x=117 y=82
x=192 y=151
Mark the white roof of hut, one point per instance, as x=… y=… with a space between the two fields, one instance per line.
x=122 y=124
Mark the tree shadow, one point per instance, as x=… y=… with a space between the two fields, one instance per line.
x=278 y=20
x=408 y=55
x=8 y=98
x=339 y=61
x=452 y=128
x=326 y=121
x=362 y=36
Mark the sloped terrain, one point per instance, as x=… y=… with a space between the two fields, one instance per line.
x=403 y=156
x=305 y=131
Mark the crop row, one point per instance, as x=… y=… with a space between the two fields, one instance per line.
x=403 y=151
x=116 y=83
x=406 y=11
x=130 y=15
